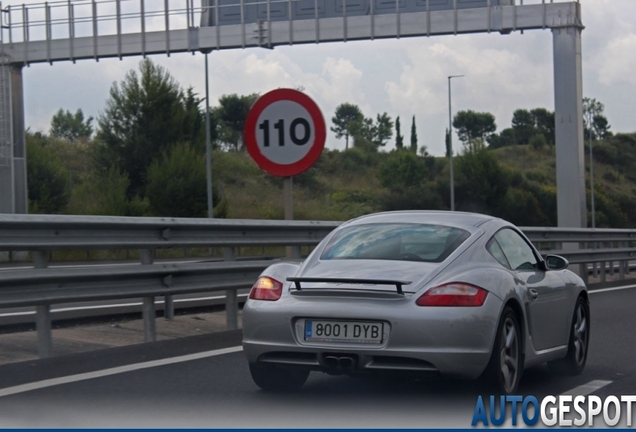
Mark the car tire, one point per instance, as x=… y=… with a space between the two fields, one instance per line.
x=578 y=343
x=504 y=370
x=276 y=379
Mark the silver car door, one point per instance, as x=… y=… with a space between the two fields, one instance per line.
x=547 y=296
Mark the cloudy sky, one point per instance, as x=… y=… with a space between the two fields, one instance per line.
x=402 y=77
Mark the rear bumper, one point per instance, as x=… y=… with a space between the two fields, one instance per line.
x=451 y=341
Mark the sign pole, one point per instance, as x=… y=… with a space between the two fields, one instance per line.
x=288 y=197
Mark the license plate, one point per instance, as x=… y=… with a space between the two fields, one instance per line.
x=344 y=332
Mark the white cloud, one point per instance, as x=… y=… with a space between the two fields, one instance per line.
x=617 y=62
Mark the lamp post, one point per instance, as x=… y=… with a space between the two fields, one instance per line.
x=591 y=108
x=450 y=144
x=208 y=144
x=592 y=181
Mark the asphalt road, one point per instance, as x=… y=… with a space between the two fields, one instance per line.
x=203 y=381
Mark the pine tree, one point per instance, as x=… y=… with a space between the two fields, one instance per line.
x=413 y=137
x=399 y=138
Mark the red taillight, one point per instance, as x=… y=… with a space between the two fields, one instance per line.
x=266 y=288
x=453 y=294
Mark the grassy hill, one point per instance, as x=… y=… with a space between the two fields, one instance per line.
x=347 y=184
x=517 y=183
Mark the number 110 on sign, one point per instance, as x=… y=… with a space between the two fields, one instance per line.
x=299 y=131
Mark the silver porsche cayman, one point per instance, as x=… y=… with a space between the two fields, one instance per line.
x=417 y=292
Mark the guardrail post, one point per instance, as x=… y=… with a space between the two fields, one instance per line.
x=147 y=257
x=294 y=252
x=148 y=312
x=228 y=254
x=43 y=313
x=231 y=303
x=584 y=273
x=231 y=310
x=40 y=259
x=621 y=270
x=603 y=276
x=43 y=324
x=168 y=308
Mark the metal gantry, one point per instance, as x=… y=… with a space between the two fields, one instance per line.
x=71 y=30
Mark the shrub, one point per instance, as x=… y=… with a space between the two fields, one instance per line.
x=47 y=179
x=105 y=194
x=177 y=184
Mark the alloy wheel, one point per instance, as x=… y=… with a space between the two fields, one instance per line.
x=509 y=356
x=580 y=334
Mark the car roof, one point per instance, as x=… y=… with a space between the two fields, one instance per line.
x=448 y=218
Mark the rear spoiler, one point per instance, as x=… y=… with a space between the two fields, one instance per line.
x=398 y=283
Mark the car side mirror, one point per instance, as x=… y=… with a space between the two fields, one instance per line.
x=555 y=262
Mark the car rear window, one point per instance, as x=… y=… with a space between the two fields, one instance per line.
x=395 y=241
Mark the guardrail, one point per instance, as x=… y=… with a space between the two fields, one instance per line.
x=41 y=234
x=43 y=286
x=608 y=250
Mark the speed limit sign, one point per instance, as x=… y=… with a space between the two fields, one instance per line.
x=285 y=132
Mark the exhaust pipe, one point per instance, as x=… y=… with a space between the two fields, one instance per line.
x=339 y=364
x=345 y=363
x=331 y=362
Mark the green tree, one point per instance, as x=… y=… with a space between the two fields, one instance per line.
x=521 y=207
x=505 y=138
x=538 y=142
x=402 y=170
x=399 y=138
x=146 y=114
x=473 y=128
x=232 y=113
x=47 y=179
x=601 y=126
x=528 y=123
x=523 y=125
x=71 y=127
x=481 y=182
x=413 y=136
x=369 y=135
x=407 y=179
x=544 y=124
x=363 y=132
x=595 y=122
x=194 y=121
x=347 y=116
x=177 y=183
x=383 y=129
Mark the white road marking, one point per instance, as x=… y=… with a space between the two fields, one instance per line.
x=602 y=290
x=586 y=389
x=114 y=371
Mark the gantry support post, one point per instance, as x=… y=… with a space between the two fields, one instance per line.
x=13 y=179
x=568 y=105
